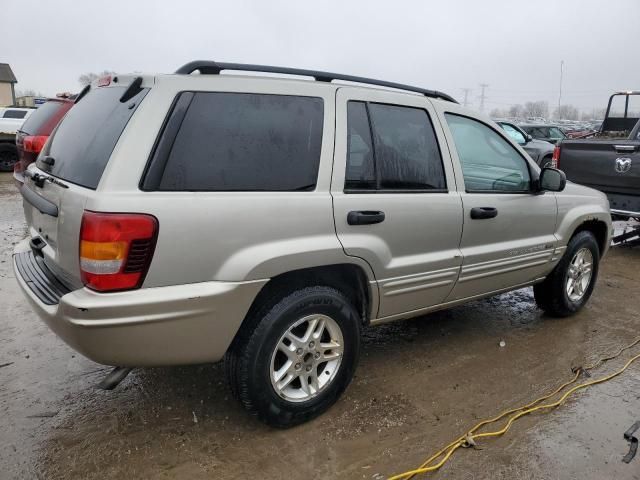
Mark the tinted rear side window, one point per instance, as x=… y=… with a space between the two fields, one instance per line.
x=405 y=155
x=246 y=142
x=361 y=172
x=14 y=114
x=83 y=142
x=37 y=120
x=406 y=148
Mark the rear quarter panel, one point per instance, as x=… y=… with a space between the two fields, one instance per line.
x=228 y=236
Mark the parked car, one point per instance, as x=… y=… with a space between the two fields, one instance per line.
x=610 y=160
x=35 y=131
x=539 y=150
x=549 y=133
x=10 y=121
x=180 y=219
x=581 y=132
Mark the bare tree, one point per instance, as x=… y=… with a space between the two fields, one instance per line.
x=595 y=114
x=516 y=111
x=86 y=78
x=28 y=92
x=566 y=112
x=497 y=113
x=536 y=109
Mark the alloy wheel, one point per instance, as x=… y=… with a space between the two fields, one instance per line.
x=579 y=274
x=307 y=357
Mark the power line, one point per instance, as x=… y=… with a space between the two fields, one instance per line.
x=482 y=96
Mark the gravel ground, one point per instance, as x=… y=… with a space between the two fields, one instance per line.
x=420 y=383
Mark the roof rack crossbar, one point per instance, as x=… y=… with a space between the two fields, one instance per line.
x=207 y=67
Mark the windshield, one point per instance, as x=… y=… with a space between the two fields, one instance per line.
x=513 y=133
x=555 y=132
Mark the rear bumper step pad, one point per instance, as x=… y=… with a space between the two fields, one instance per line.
x=39 y=278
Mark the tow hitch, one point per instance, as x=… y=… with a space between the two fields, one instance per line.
x=630 y=236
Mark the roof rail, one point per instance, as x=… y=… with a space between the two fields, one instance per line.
x=207 y=67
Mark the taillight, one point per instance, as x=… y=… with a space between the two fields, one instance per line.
x=35 y=143
x=555 y=160
x=116 y=249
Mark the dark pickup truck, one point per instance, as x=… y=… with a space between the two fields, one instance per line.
x=609 y=161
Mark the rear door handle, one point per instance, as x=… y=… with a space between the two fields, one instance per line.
x=365 y=217
x=479 y=213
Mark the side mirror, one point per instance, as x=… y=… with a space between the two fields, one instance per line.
x=552 y=180
x=529 y=138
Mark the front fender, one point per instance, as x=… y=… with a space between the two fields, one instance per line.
x=577 y=205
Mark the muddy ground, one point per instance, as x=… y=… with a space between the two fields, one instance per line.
x=420 y=383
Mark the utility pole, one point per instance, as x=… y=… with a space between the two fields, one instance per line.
x=482 y=96
x=466 y=91
x=560 y=93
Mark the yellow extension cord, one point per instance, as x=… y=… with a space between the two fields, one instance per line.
x=468 y=439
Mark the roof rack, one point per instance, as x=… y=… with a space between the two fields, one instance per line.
x=207 y=67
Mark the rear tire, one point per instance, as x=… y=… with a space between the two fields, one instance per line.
x=294 y=357
x=8 y=157
x=570 y=285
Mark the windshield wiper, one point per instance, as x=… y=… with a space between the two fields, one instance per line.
x=39 y=179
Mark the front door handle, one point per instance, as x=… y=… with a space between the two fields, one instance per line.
x=479 y=213
x=365 y=217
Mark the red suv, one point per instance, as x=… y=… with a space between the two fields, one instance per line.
x=35 y=131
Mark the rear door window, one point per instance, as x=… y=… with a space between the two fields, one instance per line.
x=406 y=148
x=83 y=142
x=361 y=172
x=244 y=142
x=392 y=148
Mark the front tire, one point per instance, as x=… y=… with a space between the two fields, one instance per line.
x=546 y=161
x=293 y=359
x=570 y=285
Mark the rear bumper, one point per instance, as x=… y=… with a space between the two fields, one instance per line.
x=173 y=325
x=624 y=205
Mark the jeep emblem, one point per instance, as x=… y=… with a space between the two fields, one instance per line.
x=623 y=164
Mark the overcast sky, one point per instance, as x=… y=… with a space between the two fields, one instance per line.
x=514 y=46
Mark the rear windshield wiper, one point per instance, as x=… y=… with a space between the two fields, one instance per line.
x=39 y=179
x=82 y=93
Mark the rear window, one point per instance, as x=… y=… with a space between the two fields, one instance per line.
x=241 y=142
x=14 y=114
x=37 y=120
x=82 y=143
